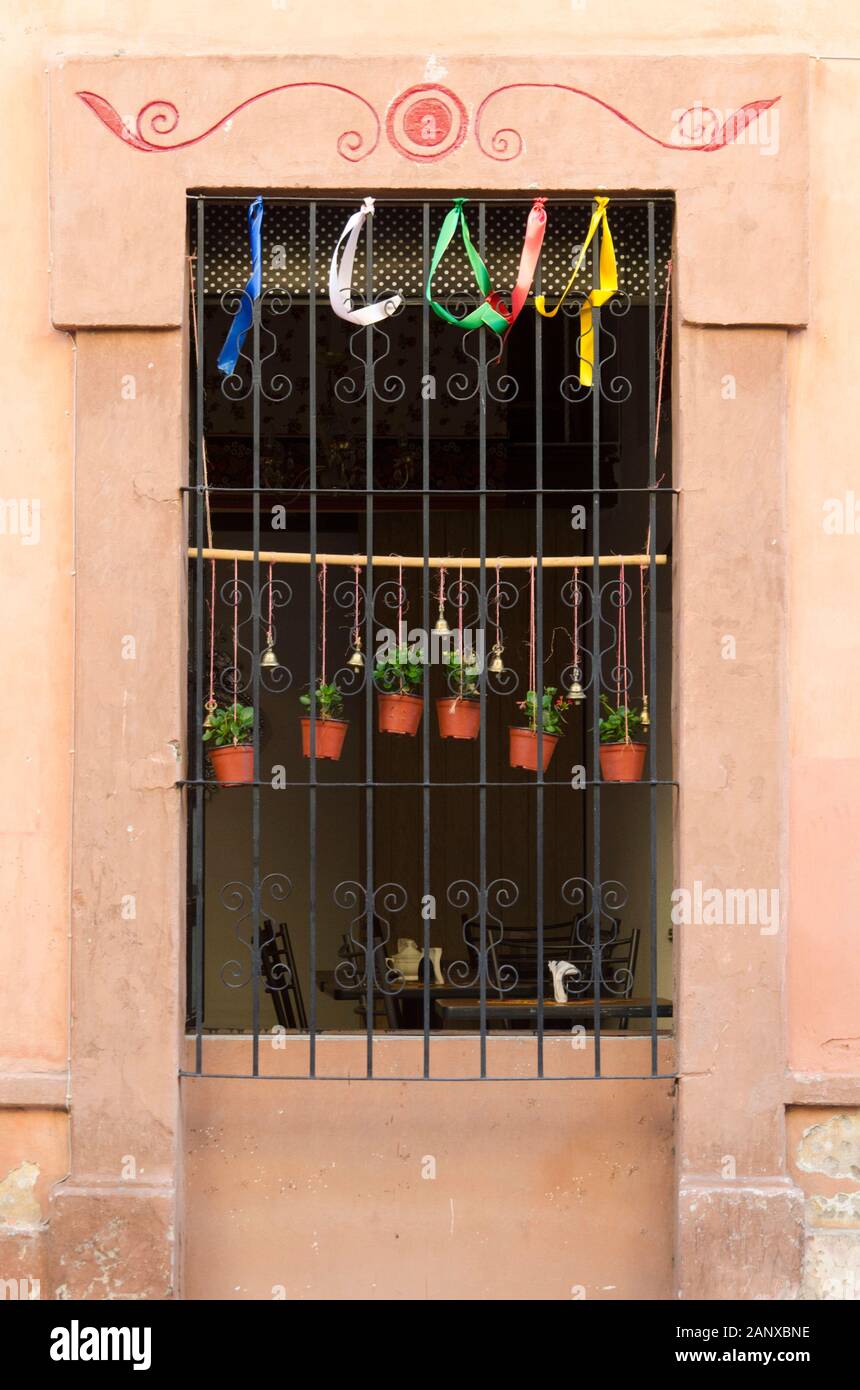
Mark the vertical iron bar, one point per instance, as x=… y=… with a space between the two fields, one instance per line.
x=596 y=897
x=425 y=622
x=197 y=832
x=539 y=792
x=482 y=605
x=368 y=709
x=312 y=620
x=652 y=634
x=255 y=696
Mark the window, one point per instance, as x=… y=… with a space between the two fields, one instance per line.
x=355 y=489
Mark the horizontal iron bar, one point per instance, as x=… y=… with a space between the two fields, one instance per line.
x=479 y=1080
x=426 y=491
x=380 y=200
x=434 y=562
x=441 y=786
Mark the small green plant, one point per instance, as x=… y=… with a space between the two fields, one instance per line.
x=224 y=727
x=399 y=673
x=328 y=701
x=612 y=723
x=555 y=708
x=463 y=675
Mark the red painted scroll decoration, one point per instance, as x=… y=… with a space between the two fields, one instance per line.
x=429 y=122
x=506 y=143
x=160 y=118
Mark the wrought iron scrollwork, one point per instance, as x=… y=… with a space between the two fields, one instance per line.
x=351 y=679
x=372 y=913
x=614 y=389
x=612 y=676
x=238 y=898
x=597 y=931
x=274 y=385
x=502 y=389
x=499 y=895
x=502 y=595
x=351 y=389
x=235 y=680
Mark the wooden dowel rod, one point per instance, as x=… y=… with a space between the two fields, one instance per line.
x=435 y=562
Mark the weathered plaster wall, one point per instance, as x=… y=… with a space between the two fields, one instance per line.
x=38 y=459
x=396 y=1190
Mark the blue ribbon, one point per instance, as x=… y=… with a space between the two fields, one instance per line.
x=244 y=315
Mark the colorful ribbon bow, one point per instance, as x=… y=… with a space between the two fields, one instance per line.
x=244 y=315
x=606 y=289
x=340 y=276
x=492 y=313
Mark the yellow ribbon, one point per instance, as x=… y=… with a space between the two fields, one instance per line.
x=605 y=290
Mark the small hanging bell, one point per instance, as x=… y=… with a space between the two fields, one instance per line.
x=441 y=626
x=646 y=718
x=497 y=666
x=356 y=660
x=575 y=692
x=269 y=657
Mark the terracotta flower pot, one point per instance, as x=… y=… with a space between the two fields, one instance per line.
x=458 y=717
x=329 y=735
x=233 y=764
x=523 y=748
x=622 y=762
x=399 y=714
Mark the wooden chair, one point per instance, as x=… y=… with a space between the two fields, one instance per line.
x=618 y=958
x=516 y=951
x=512 y=954
x=281 y=976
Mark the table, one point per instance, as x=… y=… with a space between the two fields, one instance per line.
x=571 y=1011
x=518 y=1005
x=404 y=1006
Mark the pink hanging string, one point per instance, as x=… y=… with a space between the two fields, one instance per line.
x=356 y=628
x=576 y=624
x=211 y=701
x=498 y=601
x=399 y=603
x=662 y=357
x=235 y=641
x=460 y=606
x=441 y=591
x=323 y=578
x=532 y=641
x=642 y=610
x=622 y=648
x=269 y=629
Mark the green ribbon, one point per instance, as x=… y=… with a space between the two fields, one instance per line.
x=488 y=314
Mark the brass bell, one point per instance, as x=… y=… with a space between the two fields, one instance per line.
x=269 y=657
x=575 y=693
x=646 y=718
x=497 y=666
x=441 y=627
x=356 y=660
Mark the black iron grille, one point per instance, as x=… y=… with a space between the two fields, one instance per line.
x=381 y=472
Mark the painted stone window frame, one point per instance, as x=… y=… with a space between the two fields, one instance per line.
x=125 y=303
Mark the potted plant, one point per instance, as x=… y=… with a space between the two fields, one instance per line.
x=329 y=728
x=459 y=713
x=621 y=758
x=230 y=732
x=523 y=741
x=398 y=678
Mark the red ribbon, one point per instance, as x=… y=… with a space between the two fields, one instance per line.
x=535 y=231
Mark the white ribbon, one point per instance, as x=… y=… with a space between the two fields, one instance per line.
x=340 y=277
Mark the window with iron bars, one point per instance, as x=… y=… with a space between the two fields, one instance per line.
x=352 y=487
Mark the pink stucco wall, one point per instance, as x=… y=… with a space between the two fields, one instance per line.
x=816 y=718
